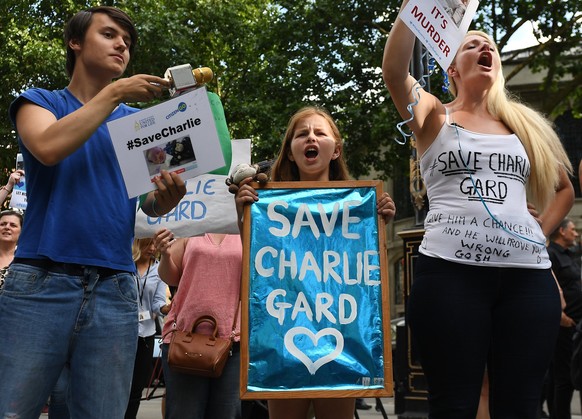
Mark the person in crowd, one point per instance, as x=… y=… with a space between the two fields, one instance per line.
x=483 y=273
x=311 y=151
x=206 y=271
x=568 y=274
x=10 y=227
x=151 y=297
x=72 y=281
x=13 y=179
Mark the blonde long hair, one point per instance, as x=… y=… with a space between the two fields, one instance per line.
x=138 y=246
x=285 y=170
x=544 y=149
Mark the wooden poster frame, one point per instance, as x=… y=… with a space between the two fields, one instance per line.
x=387 y=389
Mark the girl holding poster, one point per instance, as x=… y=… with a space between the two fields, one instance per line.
x=311 y=151
x=483 y=292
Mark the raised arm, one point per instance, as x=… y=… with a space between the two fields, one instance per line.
x=404 y=89
x=7 y=189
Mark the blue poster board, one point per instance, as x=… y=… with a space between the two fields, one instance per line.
x=315 y=293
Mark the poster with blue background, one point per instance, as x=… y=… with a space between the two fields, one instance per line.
x=315 y=293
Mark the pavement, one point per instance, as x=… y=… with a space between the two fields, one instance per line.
x=151 y=409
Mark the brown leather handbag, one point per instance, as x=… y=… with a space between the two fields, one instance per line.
x=199 y=354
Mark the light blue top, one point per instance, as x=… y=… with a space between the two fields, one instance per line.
x=151 y=295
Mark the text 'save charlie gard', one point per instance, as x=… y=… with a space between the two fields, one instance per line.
x=315 y=292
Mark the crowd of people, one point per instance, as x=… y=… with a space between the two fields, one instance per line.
x=506 y=317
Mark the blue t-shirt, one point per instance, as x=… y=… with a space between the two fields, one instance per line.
x=78 y=210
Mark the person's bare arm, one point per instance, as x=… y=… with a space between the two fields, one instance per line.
x=560 y=206
x=51 y=140
x=404 y=88
x=245 y=195
x=13 y=179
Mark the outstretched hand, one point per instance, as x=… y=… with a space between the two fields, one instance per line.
x=163 y=240
x=140 y=88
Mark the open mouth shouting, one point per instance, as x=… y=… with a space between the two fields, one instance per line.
x=485 y=59
x=311 y=153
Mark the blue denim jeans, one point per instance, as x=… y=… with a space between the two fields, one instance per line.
x=193 y=397
x=50 y=320
x=58 y=407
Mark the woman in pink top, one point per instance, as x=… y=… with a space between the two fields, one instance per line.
x=207 y=271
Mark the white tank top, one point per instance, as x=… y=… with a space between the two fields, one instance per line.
x=477 y=201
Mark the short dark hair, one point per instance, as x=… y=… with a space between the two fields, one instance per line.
x=77 y=28
x=14 y=212
x=563 y=224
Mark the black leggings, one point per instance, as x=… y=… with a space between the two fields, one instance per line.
x=142 y=371
x=464 y=319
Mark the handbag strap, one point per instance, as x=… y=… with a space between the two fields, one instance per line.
x=208 y=319
x=233 y=334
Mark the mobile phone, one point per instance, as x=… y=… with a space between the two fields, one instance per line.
x=19 y=162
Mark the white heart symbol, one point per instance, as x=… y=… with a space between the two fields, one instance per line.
x=312 y=367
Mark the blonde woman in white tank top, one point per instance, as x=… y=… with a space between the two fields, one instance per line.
x=482 y=293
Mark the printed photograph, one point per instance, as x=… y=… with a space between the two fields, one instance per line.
x=169 y=155
x=455 y=9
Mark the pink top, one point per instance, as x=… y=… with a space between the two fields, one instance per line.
x=209 y=285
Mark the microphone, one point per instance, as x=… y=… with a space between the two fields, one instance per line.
x=203 y=75
x=183 y=78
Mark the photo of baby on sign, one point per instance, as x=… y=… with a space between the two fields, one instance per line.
x=170 y=155
x=455 y=9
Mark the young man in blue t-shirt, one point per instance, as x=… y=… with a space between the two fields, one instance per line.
x=70 y=296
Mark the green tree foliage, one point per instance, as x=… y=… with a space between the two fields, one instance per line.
x=272 y=57
x=558 y=29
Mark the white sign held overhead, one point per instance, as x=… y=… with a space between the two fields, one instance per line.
x=440 y=25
